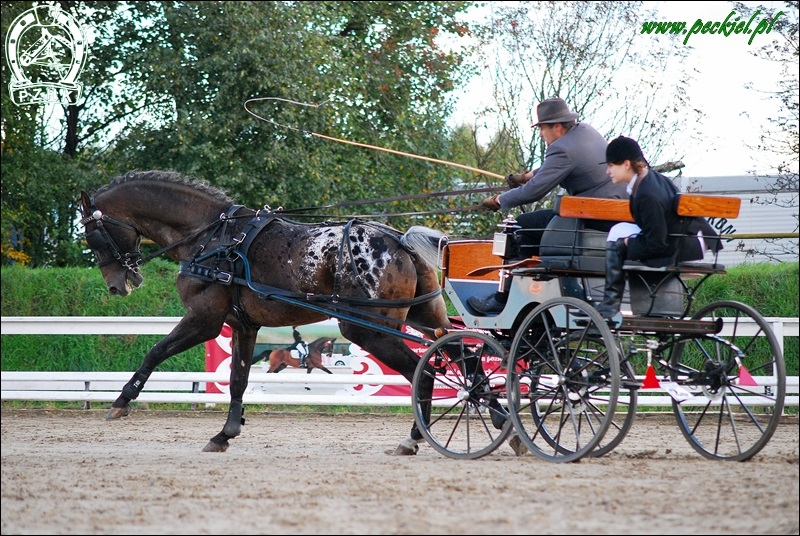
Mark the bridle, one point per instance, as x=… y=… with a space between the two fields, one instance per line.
x=100 y=240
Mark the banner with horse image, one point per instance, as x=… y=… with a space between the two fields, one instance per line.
x=357 y=361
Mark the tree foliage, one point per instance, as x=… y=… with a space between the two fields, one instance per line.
x=165 y=88
x=590 y=54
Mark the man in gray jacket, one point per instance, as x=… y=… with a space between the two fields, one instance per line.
x=570 y=162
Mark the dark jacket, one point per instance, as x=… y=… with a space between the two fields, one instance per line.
x=573 y=163
x=654 y=209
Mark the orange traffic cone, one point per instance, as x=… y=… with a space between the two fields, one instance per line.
x=650 y=380
x=745 y=378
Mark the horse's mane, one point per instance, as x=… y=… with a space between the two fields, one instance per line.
x=167 y=176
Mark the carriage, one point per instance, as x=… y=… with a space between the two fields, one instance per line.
x=549 y=369
x=548 y=374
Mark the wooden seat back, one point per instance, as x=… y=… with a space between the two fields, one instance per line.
x=595 y=208
x=463 y=256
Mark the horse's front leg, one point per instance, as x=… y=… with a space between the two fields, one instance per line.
x=243 y=342
x=187 y=334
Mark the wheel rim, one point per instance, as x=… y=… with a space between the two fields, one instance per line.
x=467 y=419
x=738 y=382
x=564 y=382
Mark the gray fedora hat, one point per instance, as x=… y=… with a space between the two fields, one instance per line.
x=554 y=111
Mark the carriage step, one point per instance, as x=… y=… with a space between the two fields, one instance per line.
x=671 y=325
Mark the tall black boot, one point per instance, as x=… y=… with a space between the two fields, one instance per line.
x=615 y=282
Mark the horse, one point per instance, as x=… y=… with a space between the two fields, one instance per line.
x=252 y=268
x=280 y=358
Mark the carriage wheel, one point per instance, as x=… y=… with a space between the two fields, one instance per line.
x=624 y=414
x=564 y=380
x=464 y=417
x=737 y=380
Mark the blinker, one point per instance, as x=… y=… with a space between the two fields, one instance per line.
x=96 y=241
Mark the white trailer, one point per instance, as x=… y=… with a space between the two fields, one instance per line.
x=763 y=211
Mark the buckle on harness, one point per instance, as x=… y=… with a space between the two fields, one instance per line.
x=224 y=277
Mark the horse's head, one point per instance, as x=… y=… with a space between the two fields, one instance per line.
x=327 y=348
x=324 y=345
x=115 y=245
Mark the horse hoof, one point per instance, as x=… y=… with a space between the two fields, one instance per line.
x=215 y=447
x=407 y=447
x=402 y=450
x=118 y=413
x=517 y=446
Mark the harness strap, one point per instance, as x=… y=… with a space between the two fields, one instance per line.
x=237 y=249
x=215 y=275
x=347 y=243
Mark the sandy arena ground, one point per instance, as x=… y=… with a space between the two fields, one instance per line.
x=73 y=472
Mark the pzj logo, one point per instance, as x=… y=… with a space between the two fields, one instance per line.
x=46 y=51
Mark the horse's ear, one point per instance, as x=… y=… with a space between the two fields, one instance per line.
x=86 y=203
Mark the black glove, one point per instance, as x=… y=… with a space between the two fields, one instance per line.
x=490 y=203
x=622 y=248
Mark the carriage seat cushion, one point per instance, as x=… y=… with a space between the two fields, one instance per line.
x=568 y=237
x=567 y=245
x=581 y=263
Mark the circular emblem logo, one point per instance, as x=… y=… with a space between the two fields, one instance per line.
x=46 y=51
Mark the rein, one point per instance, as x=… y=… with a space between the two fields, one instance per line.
x=399 y=198
x=234 y=248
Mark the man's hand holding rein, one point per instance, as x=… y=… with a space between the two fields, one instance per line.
x=515 y=180
x=490 y=203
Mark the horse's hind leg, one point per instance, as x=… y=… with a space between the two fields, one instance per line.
x=243 y=342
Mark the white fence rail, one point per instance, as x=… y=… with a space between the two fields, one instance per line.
x=189 y=387
x=289 y=387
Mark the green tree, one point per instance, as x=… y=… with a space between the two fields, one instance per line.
x=375 y=68
x=591 y=55
x=165 y=87
x=49 y=152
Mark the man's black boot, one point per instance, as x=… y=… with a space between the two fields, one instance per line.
x=491 y=305
x=615 y=283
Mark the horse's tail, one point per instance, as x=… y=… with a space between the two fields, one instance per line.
x=423 y=242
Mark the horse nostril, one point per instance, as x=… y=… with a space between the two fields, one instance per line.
x=113 y=290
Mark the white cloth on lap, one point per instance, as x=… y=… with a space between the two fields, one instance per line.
x=623 y=230
x=626 y=229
